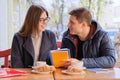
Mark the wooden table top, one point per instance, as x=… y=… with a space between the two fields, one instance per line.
x=114 y=74
x=30 y=76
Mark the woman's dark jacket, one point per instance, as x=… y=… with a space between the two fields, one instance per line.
x=22 y=51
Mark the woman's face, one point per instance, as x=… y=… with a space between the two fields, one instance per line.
x=43 y=21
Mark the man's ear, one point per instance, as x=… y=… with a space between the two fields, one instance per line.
x=84 y=23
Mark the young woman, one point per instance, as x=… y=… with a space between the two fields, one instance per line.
x=33 y=43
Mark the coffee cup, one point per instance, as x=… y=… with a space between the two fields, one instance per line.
x=40 y=63
x=77 y=64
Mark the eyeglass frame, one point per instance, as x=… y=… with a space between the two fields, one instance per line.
x=44 y=20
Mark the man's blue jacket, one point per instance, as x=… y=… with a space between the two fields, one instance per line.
x=98 y=51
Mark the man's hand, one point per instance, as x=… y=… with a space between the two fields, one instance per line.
x=68 y=62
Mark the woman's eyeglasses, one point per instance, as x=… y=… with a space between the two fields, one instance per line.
x=44 y=20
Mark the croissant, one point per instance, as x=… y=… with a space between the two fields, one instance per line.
x=73 y=69
x=45 y=68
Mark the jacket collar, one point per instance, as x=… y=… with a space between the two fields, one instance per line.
x=28 y=45
x=97 y=27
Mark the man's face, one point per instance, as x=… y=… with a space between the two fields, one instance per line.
x=74 y=26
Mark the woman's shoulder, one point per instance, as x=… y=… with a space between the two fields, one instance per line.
x=16 y=34
x=48 y=32
x=18 y=37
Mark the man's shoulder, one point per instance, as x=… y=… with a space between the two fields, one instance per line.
x=65 y=33
x=101 y=34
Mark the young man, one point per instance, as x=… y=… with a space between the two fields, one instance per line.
x=87 y=41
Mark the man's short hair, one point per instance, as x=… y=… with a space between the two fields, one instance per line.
x=82 y=14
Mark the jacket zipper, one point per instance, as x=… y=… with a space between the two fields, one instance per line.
x=73 y=45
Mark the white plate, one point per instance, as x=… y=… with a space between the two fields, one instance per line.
x=81 y=67
x=72 y=73
x=33 y=71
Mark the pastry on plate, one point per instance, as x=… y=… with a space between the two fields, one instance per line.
x=45 y=68
x=76 y=66
x=74 y=69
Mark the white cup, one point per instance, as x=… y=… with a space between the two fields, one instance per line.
x=40 y=63
x=77 y=64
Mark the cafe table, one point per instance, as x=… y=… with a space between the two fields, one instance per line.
x=29 y=75
x=114 y=74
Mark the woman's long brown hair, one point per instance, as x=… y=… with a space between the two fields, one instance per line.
x=30 y=24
